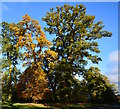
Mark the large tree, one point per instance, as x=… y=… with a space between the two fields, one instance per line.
x=33 y=82
x=76 y=42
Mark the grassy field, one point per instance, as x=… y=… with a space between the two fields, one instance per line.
x=26 y=106
x=60 y=106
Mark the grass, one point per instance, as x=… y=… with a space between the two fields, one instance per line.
x=61 y=106
x=86 y=106
x=26 y=106
x=91 y=106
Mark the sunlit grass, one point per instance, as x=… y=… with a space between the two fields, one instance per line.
x=26 y=106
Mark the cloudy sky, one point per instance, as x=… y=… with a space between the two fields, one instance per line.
x=107 y=12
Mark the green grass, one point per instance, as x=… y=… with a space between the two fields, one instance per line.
x=60 y=106
x=24 y=106
x=91 y=106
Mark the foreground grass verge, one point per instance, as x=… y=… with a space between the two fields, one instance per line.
x=26 y=106
x=61 y=106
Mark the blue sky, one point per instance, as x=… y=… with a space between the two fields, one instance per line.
x=105 y=11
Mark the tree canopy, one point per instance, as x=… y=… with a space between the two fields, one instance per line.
x=76 y=41
x=50 y=68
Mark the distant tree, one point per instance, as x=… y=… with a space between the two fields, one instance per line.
x=76 y=42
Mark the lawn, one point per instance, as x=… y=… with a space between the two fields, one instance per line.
x=61 y=106
x=26 y=106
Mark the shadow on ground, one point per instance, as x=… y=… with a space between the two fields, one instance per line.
x=105 y=106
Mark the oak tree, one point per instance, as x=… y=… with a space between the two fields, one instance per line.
x=76 y=41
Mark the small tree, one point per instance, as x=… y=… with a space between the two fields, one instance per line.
x=98 y=86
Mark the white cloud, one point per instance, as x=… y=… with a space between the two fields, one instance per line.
x=113 y=74
x=114 y=70
x=113 y=56
x=5 y=7
x=113 y=60
x=113 y=78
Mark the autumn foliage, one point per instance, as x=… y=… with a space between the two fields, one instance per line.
x=32 y=85
x=33 y=82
